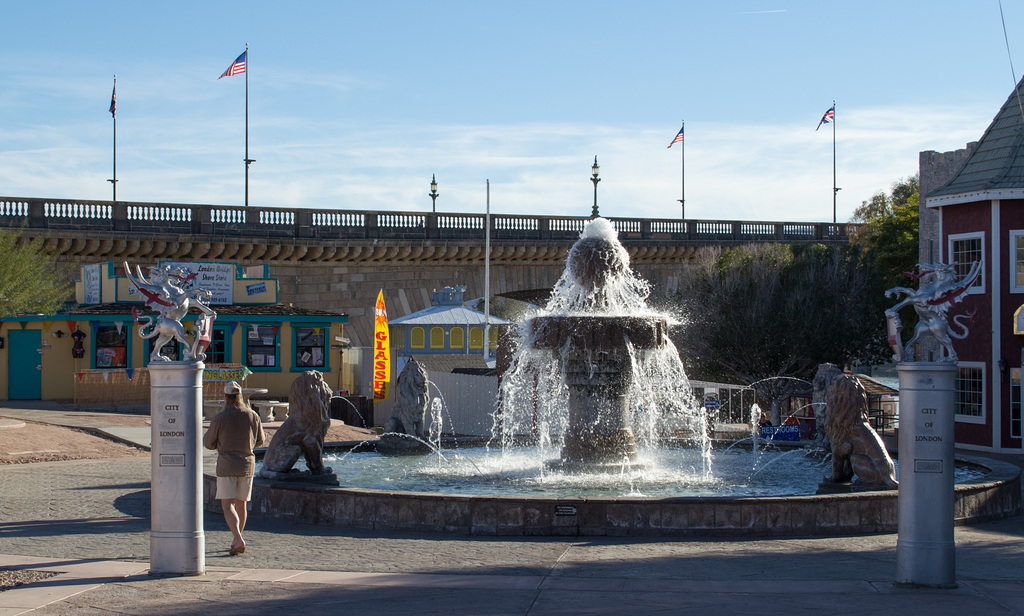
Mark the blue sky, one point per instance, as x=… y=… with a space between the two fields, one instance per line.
x=353 y=105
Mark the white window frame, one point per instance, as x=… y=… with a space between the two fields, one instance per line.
x=976 y=288
x=974 y=419
x=1015 y=235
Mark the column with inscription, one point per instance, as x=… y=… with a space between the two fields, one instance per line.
x=177 y=545
x=925 y=550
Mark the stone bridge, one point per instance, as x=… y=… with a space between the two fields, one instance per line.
x=339 y=259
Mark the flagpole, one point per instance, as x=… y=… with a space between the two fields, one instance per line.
x=247 y=159
x=113 y=115
x=487 y=278
x=682 y=175
x=835 y=189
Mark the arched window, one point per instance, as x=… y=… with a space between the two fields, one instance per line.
x=437 y=337
x=476 y=338
x=494 y=337
x=417 y=338
x=457 y=338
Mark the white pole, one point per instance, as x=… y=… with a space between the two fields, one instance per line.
x=487 y=278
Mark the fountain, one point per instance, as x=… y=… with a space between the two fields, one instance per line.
x=608 y=347
x=585 y=442
x=612 y=360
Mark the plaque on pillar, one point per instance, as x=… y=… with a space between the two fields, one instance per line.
x=925 y=548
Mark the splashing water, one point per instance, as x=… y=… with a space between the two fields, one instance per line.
x=595 y=372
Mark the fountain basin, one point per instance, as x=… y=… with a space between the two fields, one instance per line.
x=996 y=495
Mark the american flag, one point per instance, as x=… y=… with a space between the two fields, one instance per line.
x=113 y=102
x=237 y=67
x=679 y=137
x=829 y=117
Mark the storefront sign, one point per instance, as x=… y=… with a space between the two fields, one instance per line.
x=217 y=278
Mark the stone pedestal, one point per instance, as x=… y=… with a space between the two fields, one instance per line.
x=177 y=545
x=925 y=550
x=597 y=355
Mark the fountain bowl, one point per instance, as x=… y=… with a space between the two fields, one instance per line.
x=994 y=496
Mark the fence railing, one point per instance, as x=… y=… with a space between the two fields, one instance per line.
x=272 y=222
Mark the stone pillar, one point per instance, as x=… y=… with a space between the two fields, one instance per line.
x=599 y=430
x=925 y=550
x=177 y=545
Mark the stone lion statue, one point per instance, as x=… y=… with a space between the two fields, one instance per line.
x=856 y=448
x=303 y=433
x=411 y=401
x=822 y=384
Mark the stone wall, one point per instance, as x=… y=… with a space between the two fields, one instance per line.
x=935 y=169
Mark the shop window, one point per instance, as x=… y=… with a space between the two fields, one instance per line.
x=417 y=338
x=396 y=337
x=261 y=347
x=218 y=351
x=111 y=346
x=457 y=338
x=310 y=347
x=969 y=403
x=437 y=337
x=1015 y=415
x=964 y=250
x=476 y=338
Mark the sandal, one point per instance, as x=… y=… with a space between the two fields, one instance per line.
x=236 y=551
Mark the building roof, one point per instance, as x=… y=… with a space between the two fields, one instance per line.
x=254 y=311
x=447 y=315
x=995 y=169
x=874 y=387
x=447 y=309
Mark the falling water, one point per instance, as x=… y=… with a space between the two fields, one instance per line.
x=597 y=328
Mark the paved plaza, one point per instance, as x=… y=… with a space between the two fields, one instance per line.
x=89 y=520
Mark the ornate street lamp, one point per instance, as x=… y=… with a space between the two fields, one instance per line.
x=595 y=169
x=433 y=192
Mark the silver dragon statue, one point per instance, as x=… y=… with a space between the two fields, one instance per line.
x=938 y=291
x=164 y=294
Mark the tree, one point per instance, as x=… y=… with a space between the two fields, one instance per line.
x=891 y=230
x=767 y=315
x=30 y=280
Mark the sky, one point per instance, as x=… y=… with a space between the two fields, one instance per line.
x=355 y=105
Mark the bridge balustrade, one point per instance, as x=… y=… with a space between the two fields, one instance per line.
x=272 y=222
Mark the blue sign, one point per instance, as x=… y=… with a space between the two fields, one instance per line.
x=781 y=433
x=255 y=289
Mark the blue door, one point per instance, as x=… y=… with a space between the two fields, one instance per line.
x=24 y=368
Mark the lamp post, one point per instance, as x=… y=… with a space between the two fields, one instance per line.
x=595 y=170
x=433 y=192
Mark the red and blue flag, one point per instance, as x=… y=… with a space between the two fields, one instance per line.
x=237 y=67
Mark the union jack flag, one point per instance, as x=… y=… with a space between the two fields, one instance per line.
x=829 y=117
x=113 y=101
x=237 y=67
x=679 y=137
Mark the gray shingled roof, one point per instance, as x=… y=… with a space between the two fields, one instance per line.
x=446 y=315
x=997 y=163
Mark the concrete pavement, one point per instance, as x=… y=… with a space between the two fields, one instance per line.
x=89 y=520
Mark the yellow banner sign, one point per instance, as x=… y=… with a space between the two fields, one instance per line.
x=226 y=374
x=381 y=351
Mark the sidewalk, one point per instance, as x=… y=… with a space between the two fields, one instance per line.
x=90 y=521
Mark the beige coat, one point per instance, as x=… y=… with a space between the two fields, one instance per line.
x=234 y=432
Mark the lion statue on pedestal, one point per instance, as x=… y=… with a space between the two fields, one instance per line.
x=303 y=433
x=411 y=401
x=856 y=447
